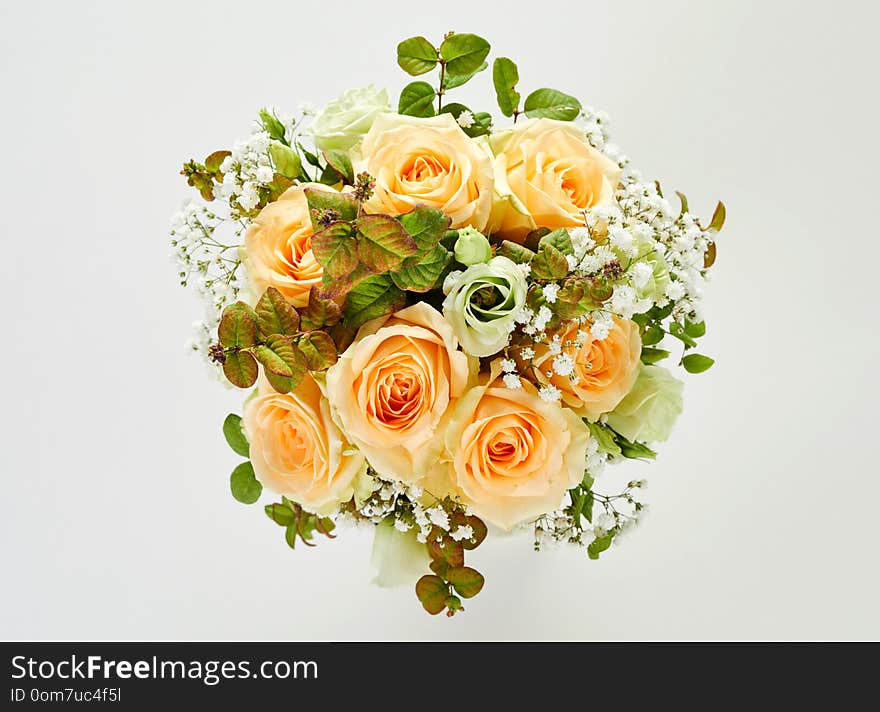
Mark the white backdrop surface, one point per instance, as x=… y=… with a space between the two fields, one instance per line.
x=115 y=514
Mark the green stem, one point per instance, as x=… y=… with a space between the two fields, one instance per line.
x=440 y=89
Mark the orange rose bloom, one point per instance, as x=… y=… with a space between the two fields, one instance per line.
x=546 y=175
x=278 y=247
x=430 y=162
x=296 y=448
x=604 y=371
x=392 y=389
x=513 y=455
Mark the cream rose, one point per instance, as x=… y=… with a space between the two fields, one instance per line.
x=546 y=175
x=278 y=247
x=427 y=161
x=393 y=387
x=340 y=124
x=604 y=371
x=297 y=450
x=514 y=456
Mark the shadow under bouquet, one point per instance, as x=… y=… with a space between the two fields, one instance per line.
x=443 y=323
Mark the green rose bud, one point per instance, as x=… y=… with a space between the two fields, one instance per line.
x=649 y=283
x=650 y=409
x=482 y=303
x=341 y=124
x=472 y=247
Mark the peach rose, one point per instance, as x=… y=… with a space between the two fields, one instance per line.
x=514 y=456
x=392 y=389
x=427 y=161
x=296 y=448
x=278 y=247
x=604 y=371
x=546 y=175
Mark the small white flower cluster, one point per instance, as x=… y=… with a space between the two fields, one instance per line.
x=207 y=263
x=245 y=171
x=615 y=516
x=406 y=504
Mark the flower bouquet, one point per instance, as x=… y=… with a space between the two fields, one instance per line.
x=445 y=324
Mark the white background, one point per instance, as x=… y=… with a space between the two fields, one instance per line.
x=116 y=518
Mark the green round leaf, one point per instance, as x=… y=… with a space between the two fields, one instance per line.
x=244 y=484
x=464 y=53
x=416 y=55
x=505 y=77
x=417 y=99
x=238 y=326
x=235 y=435
x=551 y=104
x=697 y=363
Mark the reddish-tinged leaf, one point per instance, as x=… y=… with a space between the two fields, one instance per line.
x=321 y=311
x=383 y=243
x=240 y=369
x=319 y=350
x=466 y=581
x=480 y=532
x=238 y=326
x=275 y=315
x=432 y=591
x=336 y=249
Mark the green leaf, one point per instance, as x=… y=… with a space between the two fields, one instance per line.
x=653 y=335
x=416 y=55
x=383 y=243
x=482 y=122
x=425 y=225
x=341 y=163
x=552 y=104
x=718 y=217
x=342 y=203
x=240 y=369
x=423 y=275
x=549 y=263
x=320 y=311
x=238 y=326
x=283 y=362
x=439 y=567
x=652 y=355
x=373 y=297
x=275 y=315
x=213 y=161
x=466 y=581
x=244 y=484
x=319 y=350
x=599 y=545
x=450 y=551
x=416 y=99
x=678 y=331
x=558 y=239
x=464 y=53
x=586 y=508
x=432 y=592
x=505 y=77
x=684 y=202
x=336 y=249
x=290 y=535
x=695 y=330
x=310 y=157
x=235 y=435
x=710 y=255
x=281 y=514
x=516 y=252
x=451 y=81
x=604 y=436
x=636 y=451
x=286 y=161
x=697 y=363
x=271 y=125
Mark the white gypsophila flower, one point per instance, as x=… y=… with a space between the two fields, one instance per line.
x=438 y=516
x=675 y=290
x=640 y=273
x=601 y=326
x=464 y=531
x=415 y=491
x=542 y=318
x=563 y=365
x=525 y=268
x=527 y=353
x=605 y=522
x=550 y=292
x=524 y=315
x=572 y=262
x=550 y=394
x=624 y=301
x=465 y=119
x=508 y=365
x=401 y=525
x=555 y=345
x=621 y=238
x=512 y=381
